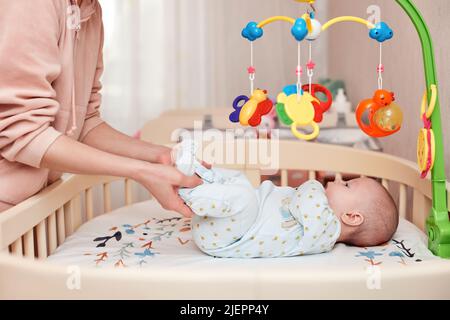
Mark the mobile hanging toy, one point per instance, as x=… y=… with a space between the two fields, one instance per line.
x=249 y=111
x=380 y=116
x=426 y=141
x=298 y=105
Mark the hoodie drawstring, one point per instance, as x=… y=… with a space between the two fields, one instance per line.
x=73 y=102
x=74 y=114
x=90 y=11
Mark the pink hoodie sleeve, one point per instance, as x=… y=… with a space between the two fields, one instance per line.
x=29 y=55
x=93 y=119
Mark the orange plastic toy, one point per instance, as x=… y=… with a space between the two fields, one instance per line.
x=379 y=116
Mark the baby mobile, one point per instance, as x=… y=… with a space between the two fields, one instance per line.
x=298 y=105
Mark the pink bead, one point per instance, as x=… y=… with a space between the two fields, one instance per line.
x=299 y=71
x=311 y=65
x=380 y=68
x=251 y=70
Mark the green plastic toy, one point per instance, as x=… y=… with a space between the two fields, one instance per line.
x=438 y=223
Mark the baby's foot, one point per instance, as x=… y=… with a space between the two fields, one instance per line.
x=185 y=160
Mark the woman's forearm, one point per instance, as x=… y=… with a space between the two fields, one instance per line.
x=67 y=155
x=106 y=138
x=162 y=180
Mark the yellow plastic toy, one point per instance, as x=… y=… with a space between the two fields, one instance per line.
x=424 y=149
x=426 y=141
x=253 y=108
x=301 y=111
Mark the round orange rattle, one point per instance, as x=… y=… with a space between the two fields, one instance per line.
x=379 y=116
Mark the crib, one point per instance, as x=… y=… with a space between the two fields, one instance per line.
x=33 y=230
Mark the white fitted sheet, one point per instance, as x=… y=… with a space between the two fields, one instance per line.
x=145 y=235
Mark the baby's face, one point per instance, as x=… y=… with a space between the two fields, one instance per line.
x=363 y=203
x=345 y=196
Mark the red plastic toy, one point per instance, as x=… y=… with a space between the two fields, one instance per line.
x=322 y=106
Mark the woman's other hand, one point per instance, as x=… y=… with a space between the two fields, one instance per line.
x=163 y=182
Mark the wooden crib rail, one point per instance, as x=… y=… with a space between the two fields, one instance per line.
x=317 y=157
x=299 y=155
x=35 y=227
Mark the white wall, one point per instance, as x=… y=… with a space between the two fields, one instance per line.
x=166 y=54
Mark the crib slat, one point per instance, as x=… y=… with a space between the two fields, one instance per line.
x=253 y=176
x=128 y=192
x=89 y=204
x=41 y=240
x=52 y=234
x=402 y=201
x=16 y=247
x=311 y=175
x=60 y=224
x=72 y=215
x=284 y=178
x=106 y=197
x=421 y=209
x=385 y=184
x=28 y=244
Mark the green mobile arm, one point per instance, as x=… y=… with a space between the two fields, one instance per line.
x=438 y=224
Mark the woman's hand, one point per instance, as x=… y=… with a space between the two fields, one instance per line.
x=157 y=175
x=167 y=195
x=161 y=154
x=163 y=181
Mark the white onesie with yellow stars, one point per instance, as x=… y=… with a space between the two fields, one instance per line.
x=232 y=219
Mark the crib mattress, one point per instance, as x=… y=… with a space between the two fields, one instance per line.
x=144 y=235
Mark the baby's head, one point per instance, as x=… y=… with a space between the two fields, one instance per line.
x=367 y=212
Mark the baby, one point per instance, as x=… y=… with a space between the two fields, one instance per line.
x=232 y=219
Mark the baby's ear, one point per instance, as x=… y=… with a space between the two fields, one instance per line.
x=353 y=218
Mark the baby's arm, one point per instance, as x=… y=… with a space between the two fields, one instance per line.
x=307 y=200
x=321 y=228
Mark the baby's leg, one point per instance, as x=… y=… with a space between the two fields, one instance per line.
x=225 y=210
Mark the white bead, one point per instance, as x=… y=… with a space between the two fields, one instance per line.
x=316 y=30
